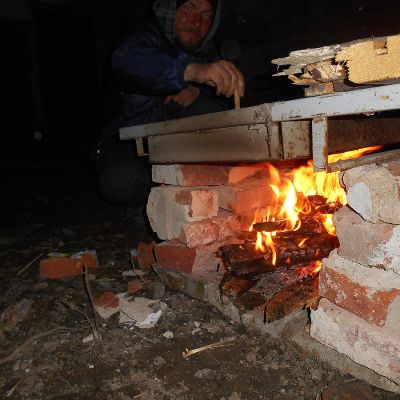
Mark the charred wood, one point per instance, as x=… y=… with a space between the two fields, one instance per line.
x=250 y=300
x=298 y=296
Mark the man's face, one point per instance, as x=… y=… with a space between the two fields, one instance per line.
x=193 y=20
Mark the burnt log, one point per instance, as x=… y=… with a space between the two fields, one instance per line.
x=250 y=300
x=270 y=226
x=236 y=286
x=296 y=297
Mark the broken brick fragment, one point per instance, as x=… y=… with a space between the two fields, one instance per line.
x=107 y=300
x=136 y=286
x=63 y=267
x=145 y=255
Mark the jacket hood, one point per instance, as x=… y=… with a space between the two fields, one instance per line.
x=165 y=10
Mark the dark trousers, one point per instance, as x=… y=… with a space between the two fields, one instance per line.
x=123 y=177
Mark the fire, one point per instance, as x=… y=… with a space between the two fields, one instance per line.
x=292 y=193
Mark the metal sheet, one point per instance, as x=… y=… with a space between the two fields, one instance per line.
x=295 y=139
x=319 y=128
x=356 y=102
x=355 y=133
x=243 y=117
x=238 y=144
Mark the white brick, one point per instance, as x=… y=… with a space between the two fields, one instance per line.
x=372 y=346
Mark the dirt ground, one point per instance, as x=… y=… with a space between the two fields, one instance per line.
x=54 y=206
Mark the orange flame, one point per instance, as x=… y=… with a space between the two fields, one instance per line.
x=291 y=191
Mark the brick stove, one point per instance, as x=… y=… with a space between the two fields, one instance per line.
x=200 y=207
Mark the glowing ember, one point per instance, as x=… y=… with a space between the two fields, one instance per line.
x=299 y=193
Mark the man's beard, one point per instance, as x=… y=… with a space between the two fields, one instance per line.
x=190 y=47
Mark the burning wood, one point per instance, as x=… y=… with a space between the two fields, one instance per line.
x=277 y=266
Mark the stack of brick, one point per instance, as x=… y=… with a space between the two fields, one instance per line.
x=198 y=208
x=359 y=314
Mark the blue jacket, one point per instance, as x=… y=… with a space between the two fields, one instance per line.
x=148 y=66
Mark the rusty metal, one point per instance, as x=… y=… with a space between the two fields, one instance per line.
x=275 y=131
x=381 y=98
x=295 y=139
x=210 y=122
x=319 y=127
x=228 y=145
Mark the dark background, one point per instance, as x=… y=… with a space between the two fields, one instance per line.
x=55 y=80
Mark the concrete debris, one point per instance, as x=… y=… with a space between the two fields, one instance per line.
x=168 y=335
x=141 y=312
x=88 y=339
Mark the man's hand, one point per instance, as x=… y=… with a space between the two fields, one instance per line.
x=223 y=75
x=185 y=97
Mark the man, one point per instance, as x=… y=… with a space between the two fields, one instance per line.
x=170 y=70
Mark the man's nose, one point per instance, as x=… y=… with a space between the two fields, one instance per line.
x=196 y=20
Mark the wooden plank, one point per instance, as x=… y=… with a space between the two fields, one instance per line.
x=373 y=60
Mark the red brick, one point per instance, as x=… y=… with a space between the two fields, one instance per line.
x=175 y=256
x=248 y=218
x=376 y=245
x=228 y=225
x=210 y=230
x=372 y=294
x=199 y=233
x=247 y=195
x=191 y=175
x=243 y=172
x=170 y=207
x=145 y=255
x=180 y=258
x=204 y=175
x=107 y=300
x=62 y=267
x=136 y=286
x=372 y=346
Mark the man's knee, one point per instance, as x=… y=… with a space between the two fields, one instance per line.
x=123 y=178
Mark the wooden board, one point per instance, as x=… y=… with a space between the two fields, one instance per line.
x=372 y=61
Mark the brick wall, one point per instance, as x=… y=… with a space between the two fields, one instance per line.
x=198 y=208
x=359 y=314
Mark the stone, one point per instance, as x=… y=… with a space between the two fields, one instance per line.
x=374 y=192
x=158 y=361
x=348 y=391
x=373 y=346
x=206 y=373
x=171 y=207
x=247 y=195
x=62 y=266
x=369 y=293
x=376 y=245
x=155 y=290
x=145 y=255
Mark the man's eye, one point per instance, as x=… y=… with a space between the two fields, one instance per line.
x=207 y=15
x=188 y=7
